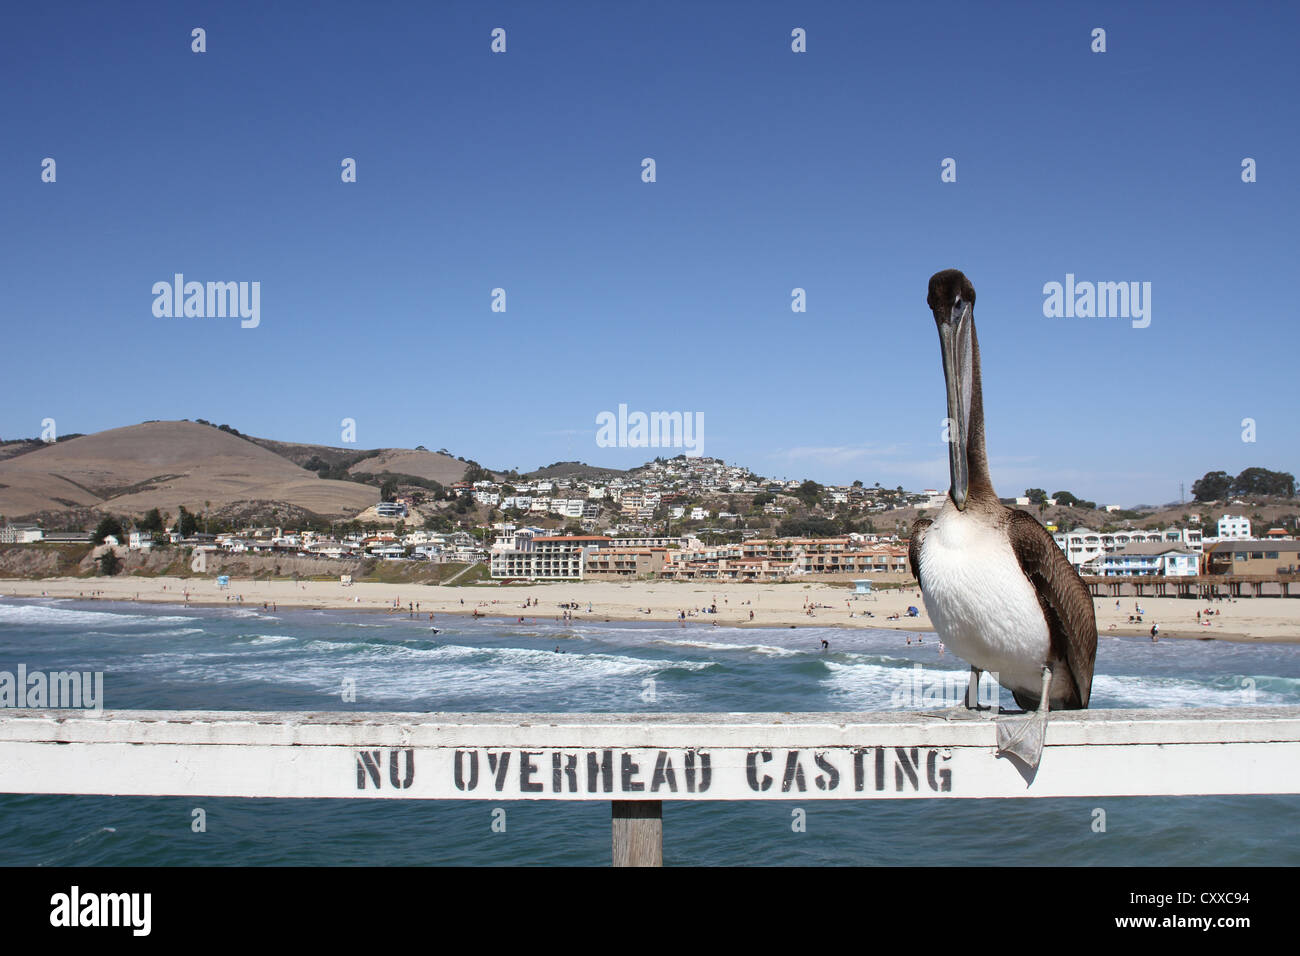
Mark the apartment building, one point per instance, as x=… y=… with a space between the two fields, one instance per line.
x=624 y=562
x=1146 y=559
x=556 y=558
x=1234 y=527
x=1265 y=557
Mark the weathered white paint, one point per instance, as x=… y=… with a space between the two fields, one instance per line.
x=838 y=755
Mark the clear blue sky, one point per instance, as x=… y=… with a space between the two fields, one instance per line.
x=775 y=170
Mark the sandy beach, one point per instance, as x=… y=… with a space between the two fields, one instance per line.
x=1274 y=620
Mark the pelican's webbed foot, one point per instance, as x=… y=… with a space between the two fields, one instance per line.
x=1023 y=737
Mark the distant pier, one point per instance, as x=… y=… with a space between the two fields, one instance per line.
x=1203 y=587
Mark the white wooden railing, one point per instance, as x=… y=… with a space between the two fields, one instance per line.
x=636 y=761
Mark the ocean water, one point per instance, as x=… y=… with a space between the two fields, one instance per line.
x=244 y=658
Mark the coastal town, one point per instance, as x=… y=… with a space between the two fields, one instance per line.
x=696 y=519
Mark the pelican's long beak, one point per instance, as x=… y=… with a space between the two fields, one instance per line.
x=955 y=340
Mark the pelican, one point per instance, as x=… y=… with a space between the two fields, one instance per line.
x=999 y=591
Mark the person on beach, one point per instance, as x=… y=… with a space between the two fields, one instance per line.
x=1155 y=631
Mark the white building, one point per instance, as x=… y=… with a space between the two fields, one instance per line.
x=547 y=558
x=1234 y=528
x=21 y=534
x=1151 y=559
x=1086 y=549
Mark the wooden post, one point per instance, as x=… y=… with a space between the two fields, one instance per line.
x=638 y=832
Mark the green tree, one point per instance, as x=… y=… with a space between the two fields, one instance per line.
x=152 y=521
x=187 y=524
x=109 y=525
x=109 y=562
x=1036 y=496
x=1261 y=481
x=809 y=492
x=1213 y=486
x=810 y=527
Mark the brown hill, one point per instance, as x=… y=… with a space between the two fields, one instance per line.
x=300 y=454
x=165 y=465
x=422 y=464
x=576 y=469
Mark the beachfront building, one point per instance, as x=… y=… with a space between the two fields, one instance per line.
x=624 y=562
x=140 y=541
x=67 y=537
x=1082 y=548
x=1234 y=528
x=1155 y=558
x=1265 y=557
x=331 y=548
x=556 y=558
x=1086 y=549
x=646 y=541
x=771 y=559
x=21 y=534
x=1189 y=537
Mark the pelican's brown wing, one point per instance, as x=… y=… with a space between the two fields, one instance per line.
x=1065 y=600
x=914 y=548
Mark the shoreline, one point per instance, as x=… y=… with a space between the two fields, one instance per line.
x=1248 y=620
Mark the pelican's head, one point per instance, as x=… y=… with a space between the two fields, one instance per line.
x=952 y=300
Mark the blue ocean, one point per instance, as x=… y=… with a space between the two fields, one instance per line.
x=244 y=658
